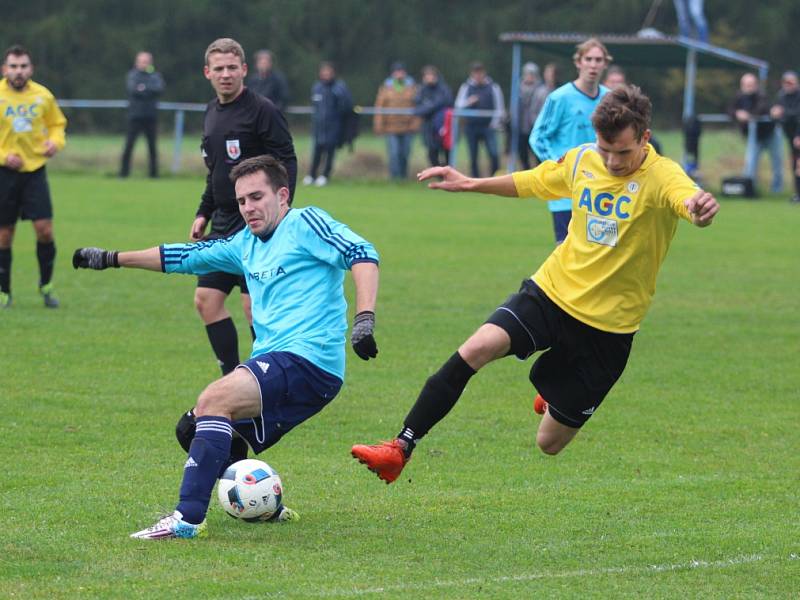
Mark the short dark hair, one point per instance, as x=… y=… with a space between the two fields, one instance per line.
x=277 y=177
x=624 y=107
x=16 y=50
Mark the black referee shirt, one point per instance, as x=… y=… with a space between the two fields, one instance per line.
x=249 y=126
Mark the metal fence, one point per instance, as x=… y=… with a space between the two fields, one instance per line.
x=181 y=108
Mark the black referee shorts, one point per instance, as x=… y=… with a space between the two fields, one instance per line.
x=581 y=363
x=24 y=196
x=224 y=282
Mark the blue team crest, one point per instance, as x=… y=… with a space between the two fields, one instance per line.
x=22 y=125
x=601 y=231
x=233 y=149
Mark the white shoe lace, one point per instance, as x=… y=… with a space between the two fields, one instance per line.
x=162 y=523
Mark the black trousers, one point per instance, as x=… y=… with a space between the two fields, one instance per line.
x=328 y=150
x=438 y=156
x=792 y=130
x=148 y=126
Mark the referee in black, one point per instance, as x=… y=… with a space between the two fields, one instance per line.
x=238 y=124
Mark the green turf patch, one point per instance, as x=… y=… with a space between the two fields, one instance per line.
x=683 y=485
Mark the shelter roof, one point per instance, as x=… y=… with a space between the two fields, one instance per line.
x=649 y=48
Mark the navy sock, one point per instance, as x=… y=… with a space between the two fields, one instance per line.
x=209 y=451
x=5 y=270
x=225 y=343
x=239 y=450
x=438 y=396
x=46 y=253
x=253 y=332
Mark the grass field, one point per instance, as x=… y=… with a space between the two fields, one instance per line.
x=685 y=484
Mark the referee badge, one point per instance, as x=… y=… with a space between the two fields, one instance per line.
x=233 y=149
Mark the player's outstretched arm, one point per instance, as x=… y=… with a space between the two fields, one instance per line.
x=452 y=180
x=99 y=259
x=702 y=207
x=365 y=278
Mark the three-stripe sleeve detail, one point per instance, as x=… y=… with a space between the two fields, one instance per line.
x=350 y=250
x=177 y=254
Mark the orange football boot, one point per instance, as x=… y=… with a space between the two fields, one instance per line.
x=539 y=405
x=386 y=459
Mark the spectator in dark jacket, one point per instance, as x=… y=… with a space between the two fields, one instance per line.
x=331 y=101
x=433 y=99
x=529 y=85
x=479 y=92
x=144 y=85
x=787 y=111
x=268 y=81
x=749 y=104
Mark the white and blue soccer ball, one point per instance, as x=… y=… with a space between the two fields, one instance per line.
x=250 y=490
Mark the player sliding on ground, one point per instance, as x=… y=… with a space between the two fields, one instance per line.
x=294 y=261
x=584 y=304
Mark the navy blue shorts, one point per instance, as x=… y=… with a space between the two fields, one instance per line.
x=292 y=390
x=561 y=219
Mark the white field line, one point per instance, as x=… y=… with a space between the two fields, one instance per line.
x=469 y=581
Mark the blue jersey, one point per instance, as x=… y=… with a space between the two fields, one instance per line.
x=564 y=122
x=295 y=280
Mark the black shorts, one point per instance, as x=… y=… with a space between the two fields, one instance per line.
x=224 y=282
x=24 y=196
x=581 y=363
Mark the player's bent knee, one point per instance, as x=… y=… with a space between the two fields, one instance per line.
x=211 y=402
x=549 y=445
x=552 y=443
x=201 y=302
x=44 y=236
x=489 y=343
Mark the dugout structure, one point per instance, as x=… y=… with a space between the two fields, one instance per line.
x=647 y=49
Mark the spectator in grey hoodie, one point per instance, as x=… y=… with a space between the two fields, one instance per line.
x=480 y=92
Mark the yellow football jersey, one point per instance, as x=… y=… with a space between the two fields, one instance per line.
x=28 y=118
x=604 y=273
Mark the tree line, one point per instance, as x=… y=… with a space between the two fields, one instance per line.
x=83 y=48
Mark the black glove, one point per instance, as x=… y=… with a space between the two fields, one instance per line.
x=95 y=258
x=363 y=343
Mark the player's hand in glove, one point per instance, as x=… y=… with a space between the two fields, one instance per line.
x=363 y=342
x=95 y=258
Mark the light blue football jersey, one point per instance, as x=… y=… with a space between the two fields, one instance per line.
x=295 y=278
x=564 y=123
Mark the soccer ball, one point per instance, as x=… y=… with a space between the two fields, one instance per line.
x=250 y=490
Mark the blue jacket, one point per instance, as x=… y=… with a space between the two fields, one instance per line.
x=431 y=103
x=331 y=101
